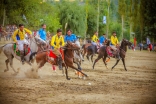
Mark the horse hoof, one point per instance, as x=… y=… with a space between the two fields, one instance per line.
x=5 y=70
x=68 y=78
x=23 y=63
x=83 y=78
x=93 y=68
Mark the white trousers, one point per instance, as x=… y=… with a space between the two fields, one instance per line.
x=101 y=44
x=94 y=43
x=113 y=47
x=21 y=44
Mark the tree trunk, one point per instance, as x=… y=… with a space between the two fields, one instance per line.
x=122 y=25
x=98 y=18
x=130 y=31
x=4 y=17
x=141 y=34
x=84 y=42
x=108 y=23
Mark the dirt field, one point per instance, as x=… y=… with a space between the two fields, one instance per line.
x=136 y=86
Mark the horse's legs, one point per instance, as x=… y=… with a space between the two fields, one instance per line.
x=84 y=52
x=81 y=57
x=99 y=57
x=6 y=61
x=71 y=66
x=11 y=64
x=104 y=60
x=78 y=66
x=92 y=58
x=115 y=64
x=79 y=74
x=123 y=60
x=87 y=57
x=66 y=70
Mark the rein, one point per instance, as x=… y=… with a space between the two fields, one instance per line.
x=71 y=48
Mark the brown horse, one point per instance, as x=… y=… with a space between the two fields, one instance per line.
x=89 y=49
x=122 y=52
x=42 y=58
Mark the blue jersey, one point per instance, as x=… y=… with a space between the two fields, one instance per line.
x=71 y=38
x=42 y=34
x=102 y=39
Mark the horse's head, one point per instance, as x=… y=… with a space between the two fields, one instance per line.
x=39 y=40
x=126 y=42
x=77 y=43
x=72 y=46
x=107 y=42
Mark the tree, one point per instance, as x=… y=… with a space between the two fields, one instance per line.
x=73 y=14
x=121 y=10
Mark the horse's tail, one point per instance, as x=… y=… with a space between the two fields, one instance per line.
x=32 y=57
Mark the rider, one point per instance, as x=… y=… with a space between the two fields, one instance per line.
x=19 y=37
x=114 y=44
x=42 y=34
x=70 y=37
x=57 y=42
x=102 y=39
x=95 y=38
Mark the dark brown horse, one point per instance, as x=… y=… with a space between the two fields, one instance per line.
x=42 y=58
x=90 y=49
x=122 y=52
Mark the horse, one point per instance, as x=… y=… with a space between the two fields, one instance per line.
x=43 y=57
x=90 y=49
x=77 y=53
x=78 y=57
x=9 y=51
x=122 y=52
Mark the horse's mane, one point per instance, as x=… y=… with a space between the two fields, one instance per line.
x=108 y=42
x=122 y=45
x=89 y=41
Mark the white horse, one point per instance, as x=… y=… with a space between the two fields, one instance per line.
x=77 y=55
x=78 y=58
x=10 y=53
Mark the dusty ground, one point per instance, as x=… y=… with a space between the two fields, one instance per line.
x=136 y=86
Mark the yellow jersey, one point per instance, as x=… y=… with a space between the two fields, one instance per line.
x=114 y=40
x=57 y=41
x=21 y=34
x=94 y=38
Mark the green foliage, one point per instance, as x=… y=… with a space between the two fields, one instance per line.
x=73 y=14
x=115 y=26
x=35 y=11
x=139 y=14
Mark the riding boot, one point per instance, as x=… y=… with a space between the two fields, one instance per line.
x=22 y=56
x=59 y=62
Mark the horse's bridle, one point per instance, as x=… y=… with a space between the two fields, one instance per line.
x=70 y=48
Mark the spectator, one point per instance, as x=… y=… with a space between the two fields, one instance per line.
x=141 y=46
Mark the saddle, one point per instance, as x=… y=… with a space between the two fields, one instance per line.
x=111 y=52
x=98 y=48
x=26 y=50
x=52 y=56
